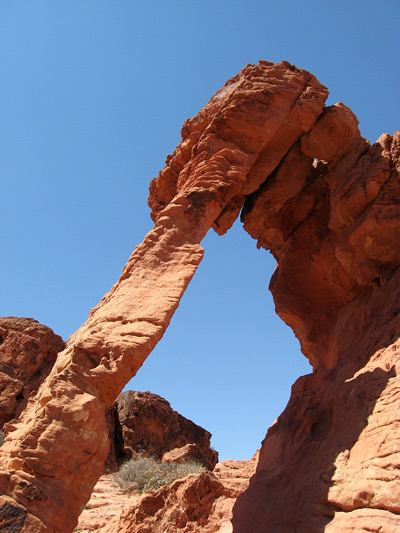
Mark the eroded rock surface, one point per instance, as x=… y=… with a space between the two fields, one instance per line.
x=149 y=425
x=199 y=502
x=331 y=460
x=107 y=503
x=60 y=443
x=327 y=204
x=28 y=351
x=339 y=220
x=138 y=421
x=189 y=452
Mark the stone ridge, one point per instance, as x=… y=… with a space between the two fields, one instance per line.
x=316 y=194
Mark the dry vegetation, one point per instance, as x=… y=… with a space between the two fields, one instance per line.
x=147 y=473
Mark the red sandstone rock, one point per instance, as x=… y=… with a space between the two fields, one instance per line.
x=111 y=511
x=333 y=225
x=182 y=506
x=255 y=118
x=319 y=215
x=149 y=425
x=199 y=502
x=28 y=351
x=61 y=441
x=115 y=455
x=189 y=452
x=331 y=460
x=105 y=507
x=235 y=475
x=333 y=135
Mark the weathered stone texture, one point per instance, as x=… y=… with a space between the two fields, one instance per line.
x=331 y=460
x=61 y=441
x=199 y=502
x=335 y=448
x=28 y=351
x=150 y=426
x=327 y=205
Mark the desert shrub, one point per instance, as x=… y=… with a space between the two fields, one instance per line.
x=1 y=437
x=147 y=473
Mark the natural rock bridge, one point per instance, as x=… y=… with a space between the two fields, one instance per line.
x=326 y=203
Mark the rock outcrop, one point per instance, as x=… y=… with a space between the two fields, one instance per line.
x=189 y=452
x=186 y=505
x=149 y=425
x=107 y=503
x=28 y=351
x=330 y=462
x=200 y=502
x=138 y=422
x=338 y=219
x=327 y=205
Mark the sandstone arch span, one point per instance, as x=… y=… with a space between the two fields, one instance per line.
x=316 y=194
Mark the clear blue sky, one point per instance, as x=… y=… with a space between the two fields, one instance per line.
x=93 y=94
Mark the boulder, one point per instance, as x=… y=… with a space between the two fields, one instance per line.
x=190 y=452
x=28 y=351
x=150 y=426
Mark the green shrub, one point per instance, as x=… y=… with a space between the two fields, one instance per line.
x=147 y=473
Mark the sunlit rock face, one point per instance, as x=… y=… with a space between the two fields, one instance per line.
x=143 y=423
x=198 y=502
x=28 y=351
x=326 y=204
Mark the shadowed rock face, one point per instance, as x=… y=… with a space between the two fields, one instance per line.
x=145 y=423
x=330 y=461
x=150 y=425
x=326 y=204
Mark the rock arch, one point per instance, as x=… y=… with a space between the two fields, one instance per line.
x=317 y=195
